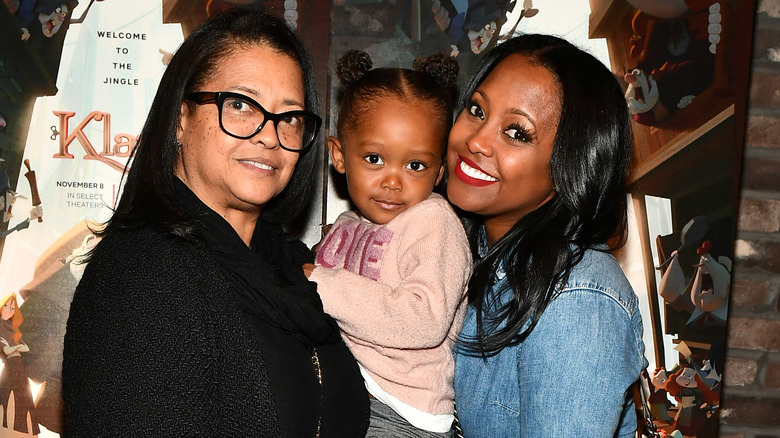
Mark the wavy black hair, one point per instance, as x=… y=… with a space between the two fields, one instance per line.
x=588 y=168
x=148 y=194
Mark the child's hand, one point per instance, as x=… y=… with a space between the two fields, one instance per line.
x=307 y=268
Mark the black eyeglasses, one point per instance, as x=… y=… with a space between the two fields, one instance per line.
x=241 y=117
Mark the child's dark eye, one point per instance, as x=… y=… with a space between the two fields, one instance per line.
x=373 y=159
x=518 y=133
x=416 y=166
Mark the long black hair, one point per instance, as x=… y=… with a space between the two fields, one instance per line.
x=588 y=168
x=148 y=195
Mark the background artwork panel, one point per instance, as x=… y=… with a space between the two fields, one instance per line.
x=685 y=68
x=74 y=93
x=77 y=81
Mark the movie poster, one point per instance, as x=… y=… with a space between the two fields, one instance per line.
x=102 y=62
x=77 y=78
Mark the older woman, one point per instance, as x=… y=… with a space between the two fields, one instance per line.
x=193 y=317
x=537 y=162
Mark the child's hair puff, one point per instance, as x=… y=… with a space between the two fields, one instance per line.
x=432 y=80
x=443 y=68
x=352 y=66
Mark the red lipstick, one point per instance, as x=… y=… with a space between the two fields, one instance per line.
x=468 y=179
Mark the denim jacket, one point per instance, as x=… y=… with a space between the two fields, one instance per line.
x=571 y=376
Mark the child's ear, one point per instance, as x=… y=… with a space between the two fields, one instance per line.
x=336 y=154
x=441 y=175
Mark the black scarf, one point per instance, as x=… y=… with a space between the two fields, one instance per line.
x=267 y=278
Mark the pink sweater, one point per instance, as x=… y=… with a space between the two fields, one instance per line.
x=398 y=294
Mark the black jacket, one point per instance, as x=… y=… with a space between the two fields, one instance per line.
x=156 y=345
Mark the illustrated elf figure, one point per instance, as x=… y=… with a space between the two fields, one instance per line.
x=694 y=399
x=658 y=399
x=13 y=378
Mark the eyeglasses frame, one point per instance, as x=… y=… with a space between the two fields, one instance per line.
x=218 y=98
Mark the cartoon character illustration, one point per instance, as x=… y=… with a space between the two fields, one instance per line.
x=672 y=285
x=711 y=283
x=695 y=400
x=674 y=44
x=673 y=280
x=658 y=400
x=49 y=14
x=76 y=259
x=471 y=24
x=710 y=371
x=710 y=374
x=15 y=394
x=46 y=305
x=642 y=92
x=705 y=294
x=8 y=198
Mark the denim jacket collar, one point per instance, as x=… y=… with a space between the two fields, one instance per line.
x=482 y=250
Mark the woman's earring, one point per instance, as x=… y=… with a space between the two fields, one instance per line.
x=178 y=143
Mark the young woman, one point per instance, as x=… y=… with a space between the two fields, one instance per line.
x=537 y=159
x=193 y=317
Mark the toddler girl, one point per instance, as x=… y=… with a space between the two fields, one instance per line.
x=393 y=273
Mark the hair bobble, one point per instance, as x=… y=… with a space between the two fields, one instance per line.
x=442 y=68
x=352 y=66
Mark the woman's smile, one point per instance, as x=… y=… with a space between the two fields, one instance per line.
x=258 y=165
x=471 y=174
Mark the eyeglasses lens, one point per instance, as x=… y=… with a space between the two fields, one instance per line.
x=241 y=118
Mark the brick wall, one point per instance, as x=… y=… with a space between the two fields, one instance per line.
x=751 y=393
